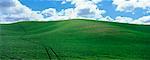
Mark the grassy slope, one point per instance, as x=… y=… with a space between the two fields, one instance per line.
x=75 y=40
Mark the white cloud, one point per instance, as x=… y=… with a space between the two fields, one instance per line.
x=107 y=18
x=123 y=19
x=52 y=15
x=148 y=11
x=131 y=5
x=142 y=20
x=70 y=13
x=96 y=1
x=13 y=11
x=83 y=9
x=49 y=12
x=87 y=8
x=63 y=2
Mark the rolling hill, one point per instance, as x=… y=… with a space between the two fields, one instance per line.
x=76 y=39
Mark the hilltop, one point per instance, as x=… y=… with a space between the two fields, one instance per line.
x=76 y=39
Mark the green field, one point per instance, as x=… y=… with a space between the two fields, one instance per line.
x=75 y=39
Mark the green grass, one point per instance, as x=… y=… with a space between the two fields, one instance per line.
x=74 y=40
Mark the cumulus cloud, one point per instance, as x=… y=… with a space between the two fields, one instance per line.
x=123 y=19
x=142 y=20
x=83 y=9
x=13 y=11
x=49 y=12
x=87 y=8
x=131 y=5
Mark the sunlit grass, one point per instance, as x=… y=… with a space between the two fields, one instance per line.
x=75 y=40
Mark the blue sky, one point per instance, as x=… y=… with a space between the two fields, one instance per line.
x=110 y=8
x=123 y=11
x=39 y=5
